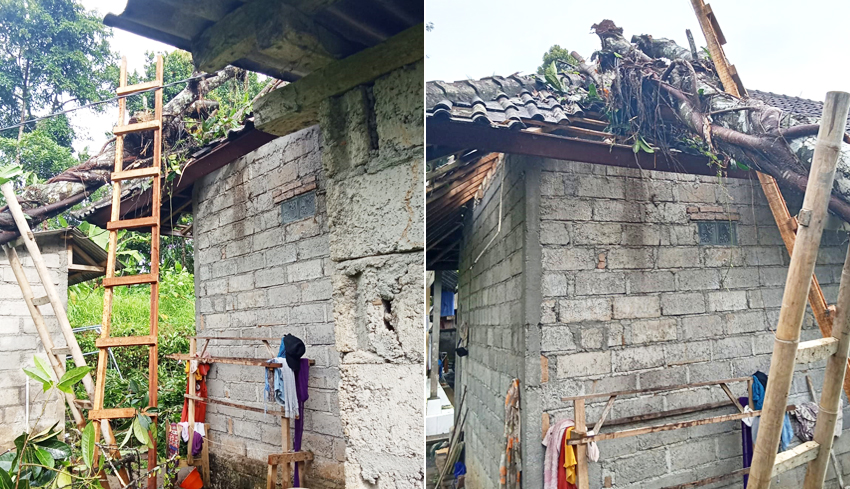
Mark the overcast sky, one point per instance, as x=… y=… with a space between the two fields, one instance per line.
x=89 y=125
x=790 y=47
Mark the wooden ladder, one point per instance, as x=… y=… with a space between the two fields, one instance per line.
x=788 y=351
x=100 y=413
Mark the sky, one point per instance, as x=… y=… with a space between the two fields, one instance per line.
x=91 y=126
x=790 y=47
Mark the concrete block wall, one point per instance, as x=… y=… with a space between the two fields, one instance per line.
x=631 y=300
x=19 y=343
x=256 y=277
x=490 y=303
x=373 y=160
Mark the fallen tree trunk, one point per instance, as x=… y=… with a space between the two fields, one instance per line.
x=656 y=91
x=45 y=200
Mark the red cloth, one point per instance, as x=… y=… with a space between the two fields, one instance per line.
x=200 y=407
x=562 y=471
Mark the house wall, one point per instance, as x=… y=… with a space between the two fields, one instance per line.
x=491 y=304
x=629 y=299
x=19 y=343
x=373 y=158
x=257 y=277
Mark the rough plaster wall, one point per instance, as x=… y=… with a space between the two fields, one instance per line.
x=372 y=155
x=19 y=343
x=491 y=304
x=251 y=270
x=630 y=300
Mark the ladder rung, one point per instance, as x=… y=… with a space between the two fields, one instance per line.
x=137 y=173
x=41 y=301
x=787 y=460
x=139 y=87
x=145 y=278
x=814 y=350
x=137 y=127
x=115 y=413
x=141 y=222
x=83 y=403
x=61 y=351
x=125 y=341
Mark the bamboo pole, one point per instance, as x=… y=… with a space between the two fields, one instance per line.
x=833 y=381
x=811 y=219
x=41 y=327
x=193 y=348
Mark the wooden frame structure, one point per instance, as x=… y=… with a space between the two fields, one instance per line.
x=581 y=436
x=154 y=172
x=277 y=461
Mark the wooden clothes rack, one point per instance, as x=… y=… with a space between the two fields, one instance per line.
x=285 y=461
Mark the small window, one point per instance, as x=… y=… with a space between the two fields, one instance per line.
x=717 y=233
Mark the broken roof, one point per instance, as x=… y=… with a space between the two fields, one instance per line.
x=177 y=193
x=469 y=120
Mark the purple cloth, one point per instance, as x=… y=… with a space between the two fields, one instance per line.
x=197 y=444
x=746 y=440
x=301 y=393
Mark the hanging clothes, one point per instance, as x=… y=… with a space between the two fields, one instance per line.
x=554 y=447
x=807 y=414
x=301 y=380
x=746 y=437
x=759 y=388
x=280 y=381
x=510 y=468
x=200 y=372
x=569 y=456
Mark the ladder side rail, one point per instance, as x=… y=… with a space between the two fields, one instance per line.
x=833 y=381
x=787 y=336
x=41 y=327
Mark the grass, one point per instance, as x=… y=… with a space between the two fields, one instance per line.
x=131 y=317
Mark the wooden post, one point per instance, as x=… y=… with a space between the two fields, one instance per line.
x=193 y=348
x=581 y=450
x=205 y=456
x=810 y=219
x=286 y=444
x=435 y=333
x=833 y=381
x=41 y=327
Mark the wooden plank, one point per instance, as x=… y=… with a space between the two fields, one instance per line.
x=660 y=428
x=638 y=418
x=155 y=124
x=205 y=456
x=144 y=278
x=141 y=222
x=236 y=338
x=114 y=413
x=125 y=341
x=608 y=406
x=296 y=106
x=582 y=481
x=118 y=176
x=711 y=480
x=41 y=301
x=715 y=49
x=220 y=402
x=721 y=39
x=794 y=457
x=652 y=390
x=139 y=87
x=255 y=362
x=732 y=397
x=85 y=268
x=290 y=457
x=286 y=445
x=816 y=350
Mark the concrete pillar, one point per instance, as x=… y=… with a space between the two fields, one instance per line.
x=373 y=158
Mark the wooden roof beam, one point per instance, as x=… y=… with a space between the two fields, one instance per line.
x=296 y=105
